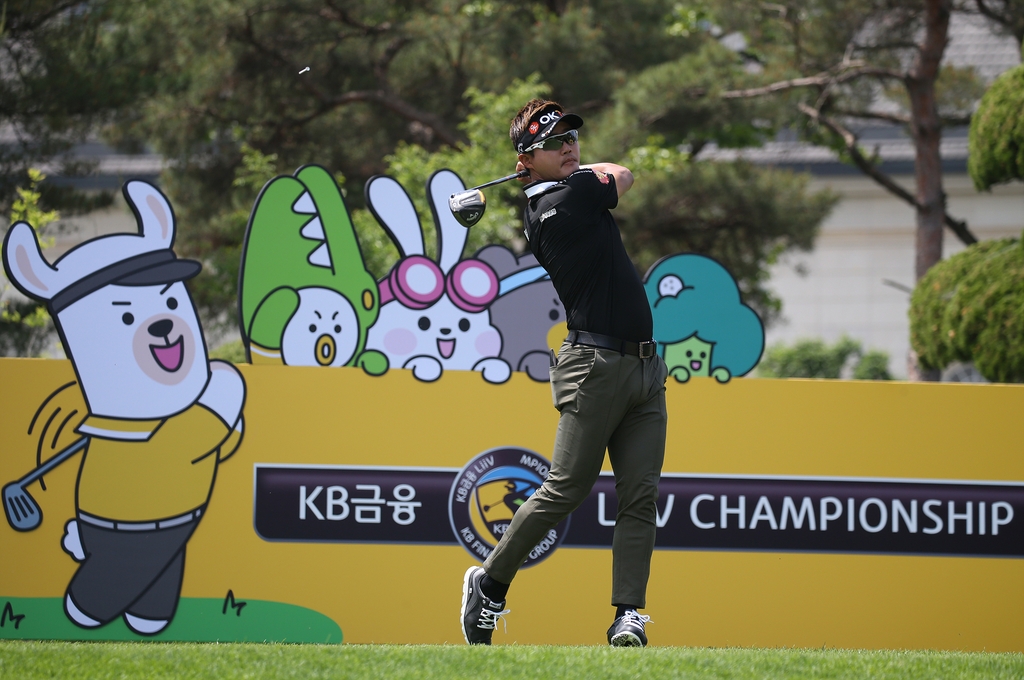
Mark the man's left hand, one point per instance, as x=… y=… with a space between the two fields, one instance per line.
x=523 y=180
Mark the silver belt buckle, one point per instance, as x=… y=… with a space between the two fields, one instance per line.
x=648 y=349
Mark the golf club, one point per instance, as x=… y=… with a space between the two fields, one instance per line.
x=468 y=206
x=23 y=513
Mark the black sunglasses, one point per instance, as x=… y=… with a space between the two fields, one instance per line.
x=554 y=142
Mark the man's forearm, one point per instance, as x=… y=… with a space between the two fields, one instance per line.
x=623 y=176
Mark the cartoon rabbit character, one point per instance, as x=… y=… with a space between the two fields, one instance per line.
x=433 y=316
x=161 y=416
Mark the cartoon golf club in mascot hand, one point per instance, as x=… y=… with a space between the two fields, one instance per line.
x=160 y=416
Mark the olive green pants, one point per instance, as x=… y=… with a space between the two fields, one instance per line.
x=606 y=401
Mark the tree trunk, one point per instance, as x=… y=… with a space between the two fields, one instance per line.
x=926 y=128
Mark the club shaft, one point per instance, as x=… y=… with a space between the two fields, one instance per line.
x=53 y=462
x=515 y=175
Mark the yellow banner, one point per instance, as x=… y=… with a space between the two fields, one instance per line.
x=902 y=527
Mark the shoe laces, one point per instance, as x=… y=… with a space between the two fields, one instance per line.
x=634 y=617
x=489 y=618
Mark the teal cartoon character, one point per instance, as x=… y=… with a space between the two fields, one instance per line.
x=701 y=325
x=305 y=297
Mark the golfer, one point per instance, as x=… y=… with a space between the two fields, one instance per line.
x=608 y=383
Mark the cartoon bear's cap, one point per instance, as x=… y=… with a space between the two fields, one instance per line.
x=147 y=269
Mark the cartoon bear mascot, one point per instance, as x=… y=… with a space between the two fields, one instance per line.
x=161 y=416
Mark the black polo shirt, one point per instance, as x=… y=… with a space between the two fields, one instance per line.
x=575 y=238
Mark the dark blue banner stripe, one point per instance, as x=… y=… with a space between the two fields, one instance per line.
x=362 y=505
x=401 y=505
x=820 y=515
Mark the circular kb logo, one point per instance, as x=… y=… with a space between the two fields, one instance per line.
x=488 y=491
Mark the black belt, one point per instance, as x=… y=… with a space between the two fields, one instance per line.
x=644 y=350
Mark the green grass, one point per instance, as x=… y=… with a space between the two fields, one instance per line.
x=26 y=660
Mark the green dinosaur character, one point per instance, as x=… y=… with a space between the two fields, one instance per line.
x=691 y=358
x=305 y=297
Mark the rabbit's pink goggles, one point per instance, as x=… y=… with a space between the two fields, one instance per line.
x=417 y=282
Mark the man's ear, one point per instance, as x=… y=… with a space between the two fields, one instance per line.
x=527 y=160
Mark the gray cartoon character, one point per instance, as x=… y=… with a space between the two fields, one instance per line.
x=527 y=311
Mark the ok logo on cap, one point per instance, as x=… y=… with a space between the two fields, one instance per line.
x=547 y=118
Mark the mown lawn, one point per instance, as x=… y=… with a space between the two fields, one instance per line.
x=25 y=660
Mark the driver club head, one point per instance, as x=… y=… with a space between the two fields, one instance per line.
x=467 y=206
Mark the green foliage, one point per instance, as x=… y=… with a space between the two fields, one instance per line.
x=256 y=170
x=379 y=252
x=233 y=351
x=873 y=365
x=996 y=139
x=929 y=335
x=26 y=207
x=686 y=19
x=970 y=307
x=815 y=359
x=25 y=326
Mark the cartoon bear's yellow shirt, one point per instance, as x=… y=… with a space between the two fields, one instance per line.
x=146 y=470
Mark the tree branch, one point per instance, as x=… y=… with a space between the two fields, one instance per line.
x=956 y=120
x=959 y=227
x=820 y=80
x=334 y=13
x=1015 y=25
x=897 y=118
x=992 y=14
x=383 y=64
x=864 y=164
x=11 y=20
x=887 y=46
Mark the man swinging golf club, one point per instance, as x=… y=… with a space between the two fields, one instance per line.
x=608 y=383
